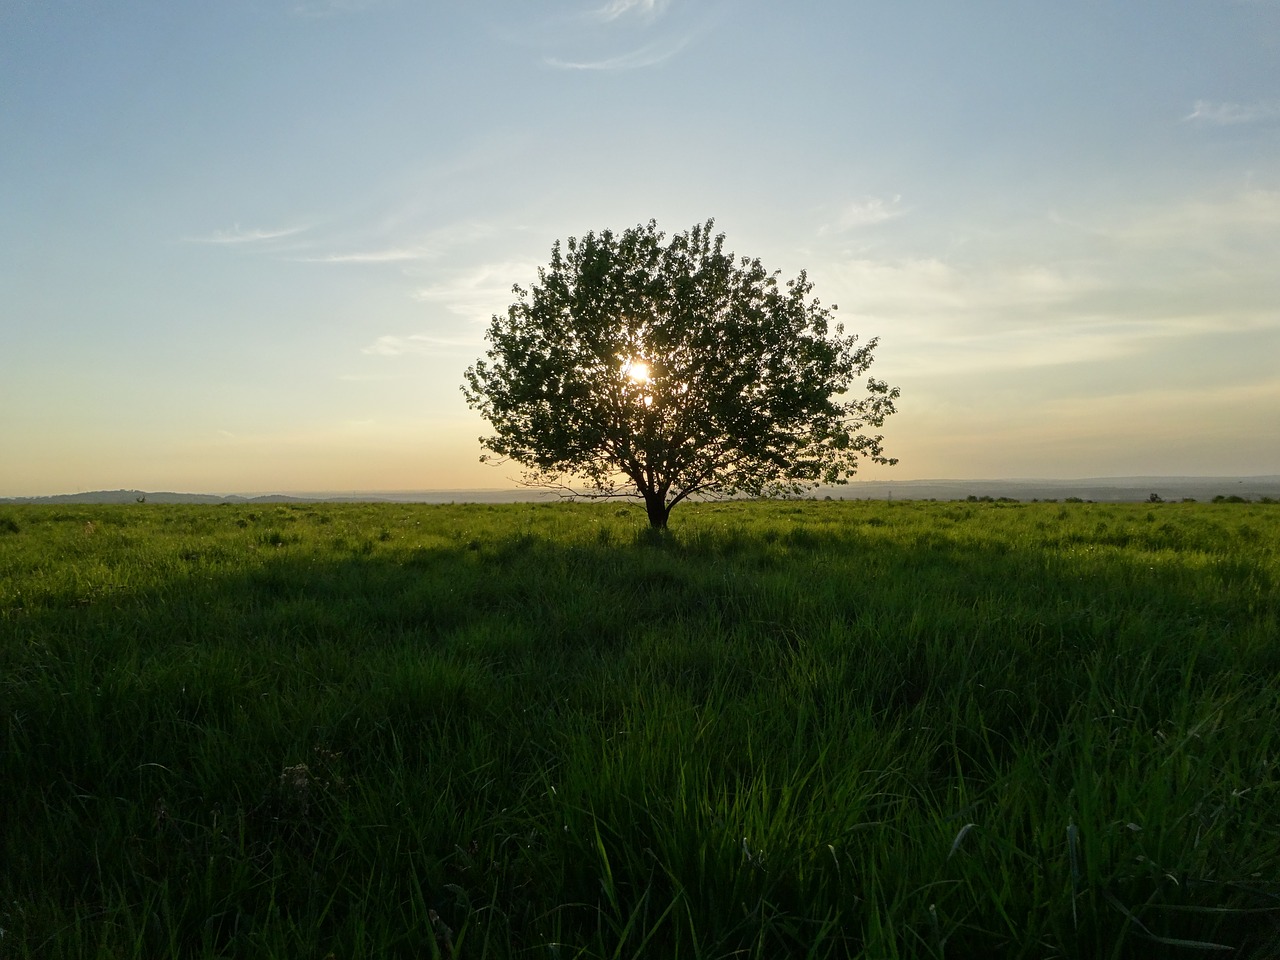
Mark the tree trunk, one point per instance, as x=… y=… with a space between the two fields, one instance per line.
x=658 y=511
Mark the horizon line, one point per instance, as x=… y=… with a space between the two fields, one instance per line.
x=350 y=493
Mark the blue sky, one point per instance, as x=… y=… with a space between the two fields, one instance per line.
x=251 y=245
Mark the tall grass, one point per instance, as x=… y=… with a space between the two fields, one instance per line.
x=828 y=729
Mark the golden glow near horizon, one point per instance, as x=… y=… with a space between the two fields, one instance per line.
x=252 y=310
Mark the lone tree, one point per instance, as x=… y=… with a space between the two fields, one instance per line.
x=663 y=371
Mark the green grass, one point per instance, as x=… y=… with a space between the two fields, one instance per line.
x=819 y=729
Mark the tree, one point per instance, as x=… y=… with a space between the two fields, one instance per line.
x=659 y=372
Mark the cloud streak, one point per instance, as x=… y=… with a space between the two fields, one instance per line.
x=866 y=212
x=1223 y=114
x=417 y=247
x=390 y=255
x=1202 y=224
x=1145 y=283
x=331 y=8
x=418 y=344
x=649 y=9
x=238 y=234
x=649 y=55
x=479 y=292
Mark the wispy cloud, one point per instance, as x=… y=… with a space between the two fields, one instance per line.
x=866 y=212
x=620 y=8
x=479 y=292
x=1258 y=395
x=238 y=234
x=1144 y=282
x=1222 y=113
x=1204 y=222
x=331 y=8
x=964 y=301
x=397 y=246
x=649 y=31
x=389 y=255
x=418 y=344
x=647 y=56
x=475 y=294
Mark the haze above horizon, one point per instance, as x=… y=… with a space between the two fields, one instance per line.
x=252 y=245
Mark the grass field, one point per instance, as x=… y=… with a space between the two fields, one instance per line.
x=809 y=729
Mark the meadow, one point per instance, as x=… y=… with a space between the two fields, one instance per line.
x=789 y=729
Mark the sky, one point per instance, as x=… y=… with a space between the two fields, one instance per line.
x=252 y=245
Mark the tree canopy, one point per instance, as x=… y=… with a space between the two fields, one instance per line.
x=662 y=371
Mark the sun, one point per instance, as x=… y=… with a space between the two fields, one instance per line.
x=637 y=371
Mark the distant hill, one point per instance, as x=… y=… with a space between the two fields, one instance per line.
x=1100 y=489
x=407 y=496
x=127 y=496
